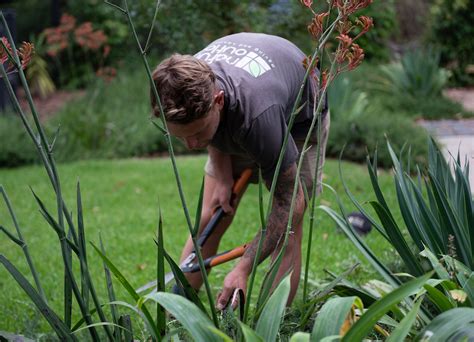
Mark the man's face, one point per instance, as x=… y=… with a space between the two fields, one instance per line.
x=199 y=133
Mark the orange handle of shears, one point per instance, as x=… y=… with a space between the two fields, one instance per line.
x=240 y=183
x=235 y=253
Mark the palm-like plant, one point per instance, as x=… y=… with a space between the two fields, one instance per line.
x=437 y=210
x=418 y=74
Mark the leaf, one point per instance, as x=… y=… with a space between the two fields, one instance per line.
x=220 y=333
x=148 y=319
x=366 y=322
x=187 y=313
x=249 y=334
x=51 y=317
x=321 y=294
x=269 y=322
x=197 y=221
x=442 y=327
x=361 y=246
x=397 y=240
x=102 y=324
x=268 y=280
x=435 y=263
x=59 y=230
x=110 y=287
x=181 y=281
x=160 y=276
x=300 y=337
x=438 y=298
x=332 y=316
x=468 y=286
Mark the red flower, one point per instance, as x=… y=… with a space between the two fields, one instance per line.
x=366 y=23
x=25 y=52
x=316 y=26
x=356 y=57
x=67 y=22
x=345 y=40
x=351 y=6
x=324 y=79
x=307 y=3
x=344 y=26
x=3 y=53
x=106 y=51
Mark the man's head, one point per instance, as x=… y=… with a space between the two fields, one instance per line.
x=189 y=97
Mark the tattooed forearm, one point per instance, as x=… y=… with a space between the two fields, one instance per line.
x=278 y=219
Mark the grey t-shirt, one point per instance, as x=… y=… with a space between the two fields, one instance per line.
x=260 y=75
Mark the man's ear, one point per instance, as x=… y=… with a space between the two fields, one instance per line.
x=219 y=98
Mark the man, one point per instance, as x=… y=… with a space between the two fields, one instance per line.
x=235 y=98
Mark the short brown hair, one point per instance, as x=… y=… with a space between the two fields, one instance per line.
x=186 y=87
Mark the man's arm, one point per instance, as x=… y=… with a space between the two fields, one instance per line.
x=222 y=166
x=276 y=228
x=278 y=219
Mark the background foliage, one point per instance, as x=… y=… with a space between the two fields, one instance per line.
x=103 y=125
x=452 y=31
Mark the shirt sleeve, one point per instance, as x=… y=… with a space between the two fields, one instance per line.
x=264 y=139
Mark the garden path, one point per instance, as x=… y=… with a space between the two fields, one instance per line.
x=456 y=135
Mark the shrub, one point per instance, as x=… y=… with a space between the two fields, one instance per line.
x=436 y=231
x=78 y=50
x=15 y=149
x=369 y=131
x=361 y=125
x=110 y=122
x=412 y=87
x=436 y=234
x=198 y=23
x=436 y=108
x=288 y=19
x=452 y=32
x=347 y=101
x=418 y=75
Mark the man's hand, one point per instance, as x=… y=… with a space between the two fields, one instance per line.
x=222 y=194
x=236 y=279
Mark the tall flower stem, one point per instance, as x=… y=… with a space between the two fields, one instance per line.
x=324 y=38
x=197 y=250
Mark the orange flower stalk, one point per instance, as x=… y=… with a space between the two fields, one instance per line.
x=316 y=27
x=356 y=57
x=366 y=22
x=25 y=52
x=345 y=40
x=349 y=7
x=344 y=27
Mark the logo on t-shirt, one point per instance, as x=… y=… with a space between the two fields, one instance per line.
x=242 y=56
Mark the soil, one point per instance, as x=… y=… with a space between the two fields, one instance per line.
x=463 y=95
x=47 y=107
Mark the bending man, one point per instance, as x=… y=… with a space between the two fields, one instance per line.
x=235 y=98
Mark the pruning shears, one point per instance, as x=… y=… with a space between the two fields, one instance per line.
x=189 y=265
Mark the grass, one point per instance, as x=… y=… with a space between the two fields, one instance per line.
x=120 y=199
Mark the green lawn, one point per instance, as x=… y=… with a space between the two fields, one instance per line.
x=121 y=200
